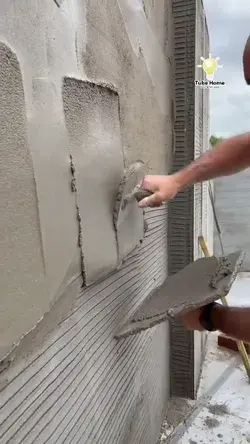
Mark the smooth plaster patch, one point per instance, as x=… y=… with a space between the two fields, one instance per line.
x=49 y=145
x=92 y=119
x=23 y=286
x=188 y=289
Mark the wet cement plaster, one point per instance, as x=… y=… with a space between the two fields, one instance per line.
x=44 y=61
x=56 y=202
x=24 y=289
x=190 y=288
x=143 y=40
x=92 y=119
x=40 y=384
x=108 y=230
x=34 y=129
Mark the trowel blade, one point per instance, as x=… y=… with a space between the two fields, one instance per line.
x=188 y=289
x=133 y=175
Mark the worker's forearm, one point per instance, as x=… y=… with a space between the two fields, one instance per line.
x=233 y=321
x=229 y=157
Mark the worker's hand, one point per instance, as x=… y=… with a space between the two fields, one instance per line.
x=191 y=319
x=164 y=188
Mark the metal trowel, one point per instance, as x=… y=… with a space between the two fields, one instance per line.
x=201 y=282
x=128 y=218
x=129 y=189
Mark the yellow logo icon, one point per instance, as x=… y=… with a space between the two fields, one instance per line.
x=210 y=66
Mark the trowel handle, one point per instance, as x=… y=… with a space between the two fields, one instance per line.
x=140 y=194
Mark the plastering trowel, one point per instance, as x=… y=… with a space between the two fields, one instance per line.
x=129 y=189
x=201 y=282
x=128 y=218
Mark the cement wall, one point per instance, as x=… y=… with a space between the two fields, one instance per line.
x=64 y=378
x=231 y=202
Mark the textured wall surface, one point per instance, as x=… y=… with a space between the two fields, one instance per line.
x=21 y=258
x=233 y=212
x=187 y=211
x=81 y=385
x=69 y=381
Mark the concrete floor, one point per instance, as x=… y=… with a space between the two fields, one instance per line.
x=221 y=413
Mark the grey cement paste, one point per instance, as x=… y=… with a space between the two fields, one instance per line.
x=188 y=289
x=92 y=119
x=23 y=284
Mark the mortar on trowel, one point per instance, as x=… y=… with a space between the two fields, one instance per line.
x=201 y=282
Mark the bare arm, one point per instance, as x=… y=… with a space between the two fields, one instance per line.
x=233 y=321
x=229 y=157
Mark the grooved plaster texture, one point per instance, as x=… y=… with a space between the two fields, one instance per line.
x=81 y=385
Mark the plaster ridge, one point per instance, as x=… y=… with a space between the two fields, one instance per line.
x=111 y=87
x=79 y=218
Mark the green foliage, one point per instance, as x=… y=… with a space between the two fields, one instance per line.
x=214 y=140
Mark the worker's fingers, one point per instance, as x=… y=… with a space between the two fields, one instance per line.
x=152 y=201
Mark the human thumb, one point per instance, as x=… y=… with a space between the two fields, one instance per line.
x=155 y=200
